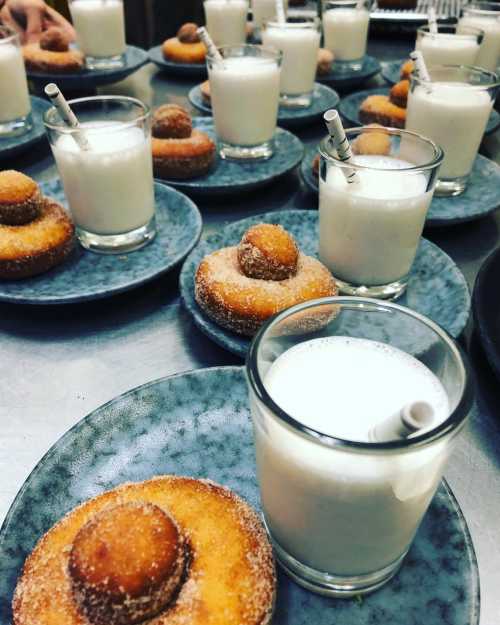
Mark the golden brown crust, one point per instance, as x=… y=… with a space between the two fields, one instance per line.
x=171 y=121
x=325 y=60
x=242 y=304
x=183 y=158
x=205 y=92
x=268 y=252
x=398 y=94
x=406 y=70
x=54 y=39
x=231 y=571
x=175 y=50
x=373 y=142
x=38 y=60
x=19 y=198
x=379 y=109
x=33 y=248
x=188 y=33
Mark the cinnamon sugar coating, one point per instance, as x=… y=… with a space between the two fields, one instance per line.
x=373 y=142
x=188 y=33
x=398 y=94
x=268 y=252
x=379 y=109
x=54 y=39
x=183 y=158
x=19 y=198
x=38 y=60
x=171 y=121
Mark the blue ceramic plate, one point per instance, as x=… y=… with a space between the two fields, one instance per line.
x=324 y=98
x=347 y=79
x=486 y=307
x=12 y=146
x=349 y=108
x=436 y=288
x=198 y=424
x=86 y=276
x=88 y=79
x=480 y=199
x=188 y=70
x=391 y=70
x=228 y=177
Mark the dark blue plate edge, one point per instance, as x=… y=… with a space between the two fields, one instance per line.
x=20 y=148
x=186 y=69
x=78 y=299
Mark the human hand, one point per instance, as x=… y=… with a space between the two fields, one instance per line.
x=31 y=17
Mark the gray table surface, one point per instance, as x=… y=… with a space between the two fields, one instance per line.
x=59 y=363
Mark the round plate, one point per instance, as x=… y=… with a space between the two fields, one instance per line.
x=436 y=289
x=486 y=307
x=391 y=70
x=349 y=108
x=324 y=98
x=227 y=177
x=87 y=79
x=12 y=146
x=188 y=70
x=481 y=198
x=347 y=79
x=86 y=276
x=198 y=424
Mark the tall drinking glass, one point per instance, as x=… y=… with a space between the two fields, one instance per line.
x=15 y=104
x=486 y=16
x=452 y=45
x=264 y=10
x=226 y=21
x=345 y=27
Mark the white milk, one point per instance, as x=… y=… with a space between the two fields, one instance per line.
x=245 y=99
x=14 y=98
x=346 y=32
x=369 y=231
x=100 y=27
x=489 y=52
x=300 y=56
x=333 y=510
x=110 y=187
x=226 y=21
x=448 y=49
x=264 y=10
x=453 y=115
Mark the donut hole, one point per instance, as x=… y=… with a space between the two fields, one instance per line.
x=268 y=252
x=54 y=39
x=171 y=121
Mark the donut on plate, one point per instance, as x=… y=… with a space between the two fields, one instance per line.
x=52 y=54
x=168 y=551
x=186 y=47
x=398 y=94
x=380 y=110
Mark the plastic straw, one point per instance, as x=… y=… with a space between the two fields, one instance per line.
x=432 y=21
x=69 y=118
x=210 y=45
x=420 y=67
x=337 y=133
x=280 y=12
x=409 y=420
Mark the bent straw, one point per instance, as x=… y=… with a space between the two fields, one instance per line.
x=210 y=45
x=337 y=133
x=410 y=419
x=69 y=118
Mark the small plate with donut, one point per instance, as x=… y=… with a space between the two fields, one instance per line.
x=436 y=288
x=480 y=199
x=12 y=146
x=85 y=276
x=324 y=98
x=176 y=68
x=350 y=78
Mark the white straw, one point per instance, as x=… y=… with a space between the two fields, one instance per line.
x=210 y=45
x=432 y=20
x=280 y=12
x=336 y=132
x=421 y=70
x=410 y=419
x=59 y=101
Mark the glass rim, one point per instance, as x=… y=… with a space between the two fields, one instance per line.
x=450 y=425
x=477 y=7
x=473 y=30
x=470 y=68
x=274 y=53
x=10 y=35
x=63 y=128
x=301 y=21
x=343 y=2
x=436 y=160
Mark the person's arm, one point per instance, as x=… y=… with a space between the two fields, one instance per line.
x=31 y=17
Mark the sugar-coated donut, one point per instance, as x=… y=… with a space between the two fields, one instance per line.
x=406 y=70
x=229 y=578
x=51 y=61
x=184 y=51
x=398 y=94
x=183 y=158
x=379 y=109
x=19 y=198
x=324 y=62
x=373 y=142
x=54 y=39
x=171 y=121
x=268 y=252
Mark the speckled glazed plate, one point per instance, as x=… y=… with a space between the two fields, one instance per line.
x=347 y=79
x=88 y=79
x=87 y=276
x=228 y=177
x=324 y=98
x=349 y=108
x=186 y=70
x=391 y=70
x=12 y=146
x=436 y=289
x=198 y=424
x=480 y=199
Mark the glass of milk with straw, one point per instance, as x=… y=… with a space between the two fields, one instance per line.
x=452 y=106
x=450 y=45
x=299 y=41
x=345 y=28
x=100 y=28
x=245 y=92
x=262 y=11
x=356 y=405
x=105 y=165
x=226 y=21
x=15 y=104
x=486 y=16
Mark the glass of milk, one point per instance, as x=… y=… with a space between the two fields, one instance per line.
x=345 y=27
x=342 y=496
x=245 y=92
x=486 y=16
x=100 y=28
x=453 y=110
x=226 y=21
x=106 y=169
x=15 y=104
x=452 y=45
x=262 y=11
x=299 y=43
x=369 y=230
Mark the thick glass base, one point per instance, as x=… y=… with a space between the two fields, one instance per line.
x=105 y=62
x=448 y=187
x=300 y=100
x=356 y=65
x=246 y=152
x=16 y=127
x=389 y=291
x=118 y=243
x=333 y=585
